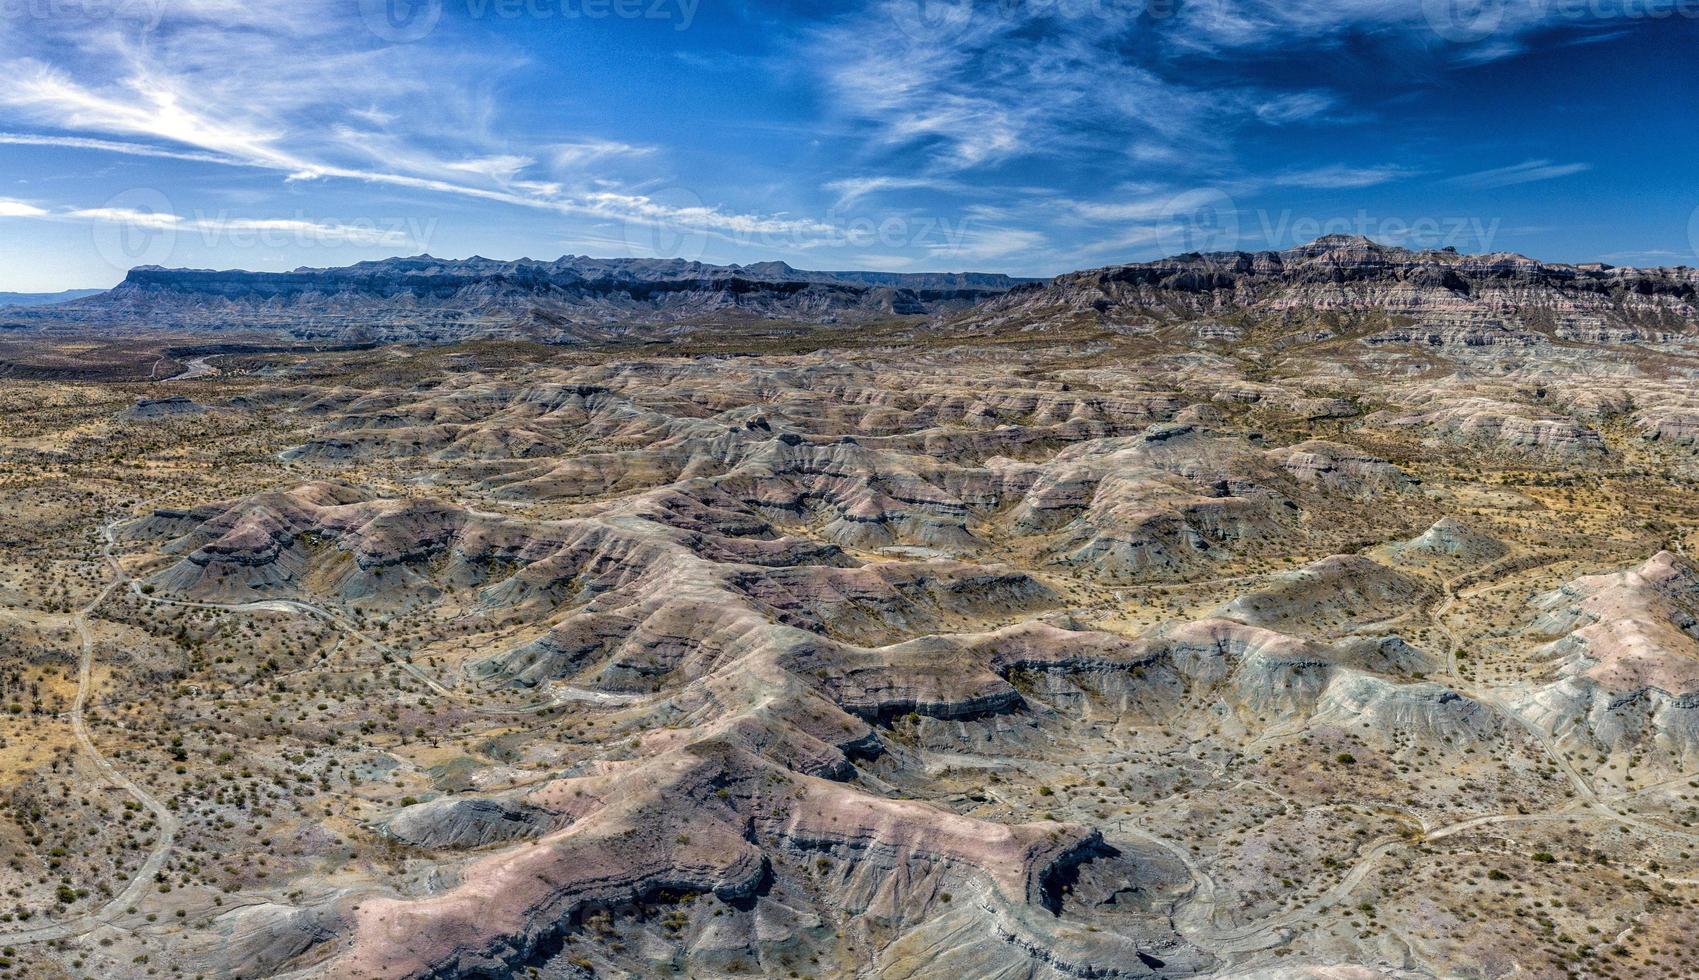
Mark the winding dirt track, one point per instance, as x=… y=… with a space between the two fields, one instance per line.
x=559 y=694
x=1194 y=916
x=167 y=822
x=163 y=817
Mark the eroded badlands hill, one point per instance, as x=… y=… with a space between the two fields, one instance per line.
x=1171 y=652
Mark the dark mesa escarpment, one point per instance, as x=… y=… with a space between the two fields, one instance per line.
x=1134 y=639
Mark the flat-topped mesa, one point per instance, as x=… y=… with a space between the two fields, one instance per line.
x=480 y=281
x=1356 y=276
x=573 y=297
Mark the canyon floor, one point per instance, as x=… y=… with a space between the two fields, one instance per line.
x=1207 y=648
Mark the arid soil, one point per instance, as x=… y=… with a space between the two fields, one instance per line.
x=1215 y=647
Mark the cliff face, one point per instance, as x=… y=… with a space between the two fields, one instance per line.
x=423 y=298
x=1347 y=274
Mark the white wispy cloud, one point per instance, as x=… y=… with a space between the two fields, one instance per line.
x=112 y=146
x=1295 y=107
x=1526 y=172
x=575 y=155
x=303 y=91
x=215 y=227
x=972 y=85
x=1341 y=177
x=1469 y=33
x=159 y=111
x=1152 y=207
x=10 y=208
x=961 y=98
x=1004 y=82
x=1156 y=205
x=853 y=189
x=204 y=86
x=134 y=217
x=500 y=169
x=987 y=245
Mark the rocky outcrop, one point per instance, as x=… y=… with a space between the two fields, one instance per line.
x=154 y=409
x=1503 y=427
x=1342 y=470
x=1452 y=541
x=259 y=940
x=459 y=823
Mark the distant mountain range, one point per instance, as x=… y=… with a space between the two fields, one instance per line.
x=46 y=299
x=1437 y=296
x=572 y=298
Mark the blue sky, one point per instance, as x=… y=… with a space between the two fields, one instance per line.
x=1024 y=137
